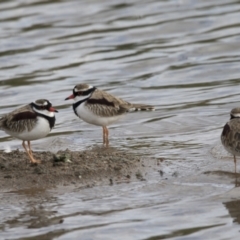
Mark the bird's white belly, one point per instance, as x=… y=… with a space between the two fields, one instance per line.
x=40 y=130
x=88 y=116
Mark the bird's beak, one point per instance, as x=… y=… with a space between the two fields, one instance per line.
x=51 y=109
x=70 y=97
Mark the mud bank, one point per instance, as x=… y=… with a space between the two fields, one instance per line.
x=83 y=169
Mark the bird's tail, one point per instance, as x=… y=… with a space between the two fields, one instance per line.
x=141 y=107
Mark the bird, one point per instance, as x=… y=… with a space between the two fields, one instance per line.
x=230 y=136
x=100 y=108
x=30 y=122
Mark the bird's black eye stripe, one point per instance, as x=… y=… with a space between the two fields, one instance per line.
x=42 y=107
x=84 y=93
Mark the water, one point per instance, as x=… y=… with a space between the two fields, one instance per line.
x=181 y=56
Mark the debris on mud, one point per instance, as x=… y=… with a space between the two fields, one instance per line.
x=82 y=168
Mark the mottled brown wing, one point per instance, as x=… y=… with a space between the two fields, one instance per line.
x=112 y=106
x=19 y=120
x=118 y=102
x=105 y=105
x=24 y=116
x=231 y=135
x=99 y=94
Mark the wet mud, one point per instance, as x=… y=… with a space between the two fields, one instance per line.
x=81 y=168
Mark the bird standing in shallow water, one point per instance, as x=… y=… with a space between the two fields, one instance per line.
x=31 y=122
x=100 y=108
x=230 y=136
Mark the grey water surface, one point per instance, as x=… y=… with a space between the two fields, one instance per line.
x=181 y=56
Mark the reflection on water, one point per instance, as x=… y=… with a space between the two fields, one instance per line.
x=181 y=56
x=233 y=208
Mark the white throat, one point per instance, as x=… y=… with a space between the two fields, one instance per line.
x=44 y=112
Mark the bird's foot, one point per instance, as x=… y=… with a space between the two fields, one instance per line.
x=34 y=161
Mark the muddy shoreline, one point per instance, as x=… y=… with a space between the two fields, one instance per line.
x=87 y=168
